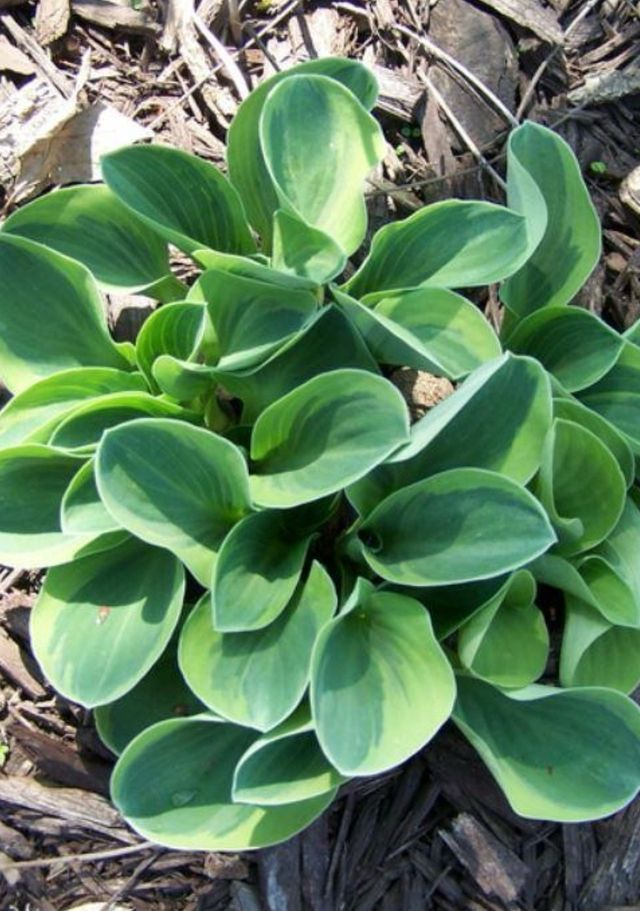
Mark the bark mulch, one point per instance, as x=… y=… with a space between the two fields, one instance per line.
x=76 y=76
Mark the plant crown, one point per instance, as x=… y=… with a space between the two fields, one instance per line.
x=264 y=577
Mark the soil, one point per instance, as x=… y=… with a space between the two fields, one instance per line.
x=76 y=76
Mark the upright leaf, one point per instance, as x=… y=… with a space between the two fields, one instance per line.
x=536 y=740
x=570 y=246
x=381 y=686
x=571 y=410
x=257 y=678
x=451 y=244
x=191 y=762
x=185 y=199
x=81 y=509
x=507 y=642
x=247 y=167
x=617 y=395
x=325 y=434
x=480 y=525
x=304 y=250
x=258 y=568
x=580 y=486
x=573 y=344
x=175 y=329
x=34 y=281
x=91 y=225
x=318 y=144
x=598 y=653
x=174 y=486
x=100 y=623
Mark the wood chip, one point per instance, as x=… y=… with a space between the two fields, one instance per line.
x=78 y=809
x=496 y=869
x=531 y=15
x=398 y=96
x=115 y=16
x=607 y=87
x=630 y=190
x=13 y=664
x=13 y=60
x=61 y=762
x=51 y=20
x=616 y=878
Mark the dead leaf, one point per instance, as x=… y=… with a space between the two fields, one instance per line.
x=45 y=140
x=116 y=16
x=531 y=15
x=51 y=20
x=13 y=60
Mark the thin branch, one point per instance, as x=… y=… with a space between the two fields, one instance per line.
x=228 y=63
x=77 y=858
x=157 y=121
x=480 y=87
x=462 y=133
x=537 y=76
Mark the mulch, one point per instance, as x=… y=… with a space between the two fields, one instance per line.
x=436 y=833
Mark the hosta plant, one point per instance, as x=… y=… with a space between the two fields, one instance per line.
x=264 y=578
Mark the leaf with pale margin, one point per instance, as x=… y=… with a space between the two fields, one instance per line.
x=534 y=739
x=191 y=762
x=381 y=686
x=100 y=623
x=34 y=281
x=325 y=434
x=480 y=524
x=257 y=678
x=175 y=486
x=91 y=225
x=188 y=201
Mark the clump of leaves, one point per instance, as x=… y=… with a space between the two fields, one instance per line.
x=353 y=581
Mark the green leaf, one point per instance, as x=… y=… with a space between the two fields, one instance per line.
x=33 y=414
x=581 y=487
x=329 y=342
x=555 y=571
x=37 y=281
x=507 y=642
x=451 y=244
x=319 y=144
x=245 y=267
x=191 y=762
x=425 y=328
x=572 y=410
x=87 y=423
x=159 y=695
x=622 y=547
x=173 y=485
x=250 y=318
x=303 y=250
x=450 y=606
x=81 y=510
x=182 y=380
x=33 y=480
x=90 y=224
x=247 y=167
x=100 y=623
x=596 y=652
x=381 y=686
x=258 y=569
x=175 y=329
x=610 y=590
x=573 y=344
x=617 y=396
x=561 y=755
x=285 y=765
x=324 y=435
x=185 y=199
x=571 y=244
x=481 y=524
x=257 y=678
x=468 y=430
